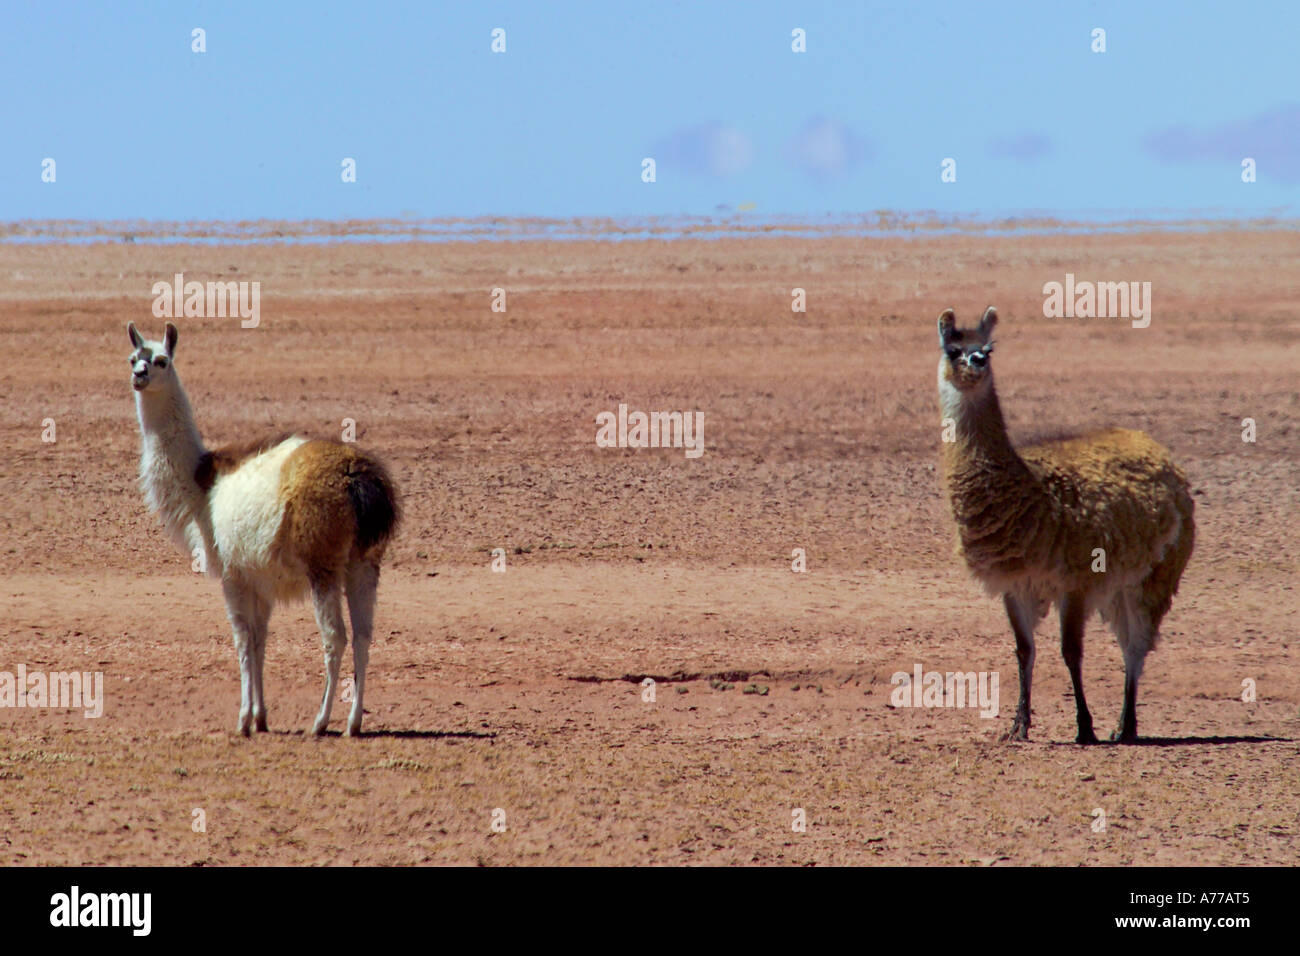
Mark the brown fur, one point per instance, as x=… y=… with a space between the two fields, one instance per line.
x=1035 y=516
x=1120 y=491
x=321 y=526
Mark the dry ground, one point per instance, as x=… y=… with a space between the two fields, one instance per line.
x=507 y=690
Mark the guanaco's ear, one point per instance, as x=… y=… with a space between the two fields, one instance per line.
x=169 y=340
x=947 y=325
x=136 y=339
x=989 y=320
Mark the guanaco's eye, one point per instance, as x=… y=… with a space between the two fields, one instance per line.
x=160 y=362
x=954 y=354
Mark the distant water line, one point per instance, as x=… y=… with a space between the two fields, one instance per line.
x=667 y=228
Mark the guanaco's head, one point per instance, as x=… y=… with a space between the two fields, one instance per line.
x=151 y=362
x=966 y=352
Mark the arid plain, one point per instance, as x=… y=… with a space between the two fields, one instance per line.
x=519 y=691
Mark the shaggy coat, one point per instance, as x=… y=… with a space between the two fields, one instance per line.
x=294 y=510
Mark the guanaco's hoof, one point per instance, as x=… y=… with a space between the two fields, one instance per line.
x=1124 y=737
x=1017 y=732
x=1086 y=738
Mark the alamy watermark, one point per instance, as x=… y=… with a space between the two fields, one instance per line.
x=651 y=430
x=59 y=690
x=1101 y=300
x=214 y=300
x=923 y=688
x=130 y=910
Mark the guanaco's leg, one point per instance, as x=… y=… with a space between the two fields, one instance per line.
x=327 y=599
x=1072 y=612
x=1024 y=616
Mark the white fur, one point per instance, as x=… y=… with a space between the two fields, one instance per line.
x=245 y=512
x=951 y=402
x=169 y=453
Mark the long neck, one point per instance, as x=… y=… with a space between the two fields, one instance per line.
x=979 y=459
x=170 y=452
x=977 y=429
x=1001 y=505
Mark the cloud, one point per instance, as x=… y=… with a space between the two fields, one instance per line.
x=826 y=149
x=710 y=149
x=1272 y=139
x=1022 y=146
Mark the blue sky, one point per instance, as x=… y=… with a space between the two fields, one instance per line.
x=141 y=127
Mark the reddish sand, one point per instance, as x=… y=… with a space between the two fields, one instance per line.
x=519 y=690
